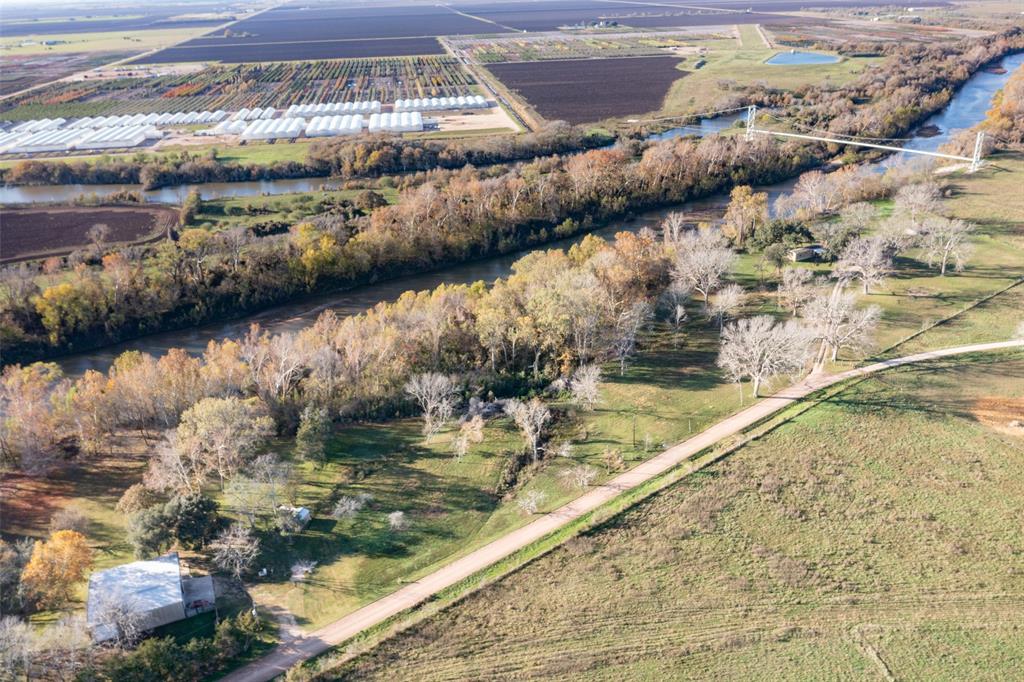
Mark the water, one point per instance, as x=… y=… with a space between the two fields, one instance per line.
x=965 y=110
x=792 y=58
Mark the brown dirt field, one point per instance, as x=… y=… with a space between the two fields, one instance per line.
x=27 y=233
x=1005 y=415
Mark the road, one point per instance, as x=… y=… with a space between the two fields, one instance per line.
x=287 y=655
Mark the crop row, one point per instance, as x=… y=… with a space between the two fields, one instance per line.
x=278 y=85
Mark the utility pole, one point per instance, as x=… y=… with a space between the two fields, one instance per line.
x=978 y=145
x=751 y=115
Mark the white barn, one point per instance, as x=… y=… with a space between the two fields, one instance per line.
x=153 y=589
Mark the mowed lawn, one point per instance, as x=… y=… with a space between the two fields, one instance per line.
x=878 y=531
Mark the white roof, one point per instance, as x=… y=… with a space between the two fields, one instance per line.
x=146 y=585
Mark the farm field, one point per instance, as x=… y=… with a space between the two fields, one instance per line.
x=48 y=21
x=236 y=53
x=23 y=72
x=582 y=91
x=580 y=46
x=278 y=85
x=113 y=41
x=869 y=531
x=50 y=231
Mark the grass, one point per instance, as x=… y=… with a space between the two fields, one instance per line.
x=114 y=41
x=743 y=66
x=230 y=212
x=876 y=520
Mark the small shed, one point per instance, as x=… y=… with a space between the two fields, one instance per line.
x=300 y=516
x=814 y=252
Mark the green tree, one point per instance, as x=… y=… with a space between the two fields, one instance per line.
x=311 y=438
x=192 y=520
x=148 y=532
x=190 y=208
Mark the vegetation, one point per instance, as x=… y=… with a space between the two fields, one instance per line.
x=807 y=544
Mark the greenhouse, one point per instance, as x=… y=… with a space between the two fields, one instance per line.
x=440 y=103
x=272 y=129
x=368 y=107
x=326 y=126
x=397 y=122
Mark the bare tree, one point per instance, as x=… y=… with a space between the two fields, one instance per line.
x=839 y=323
x=796 y=289
x=122 y=611
x=15 y=645
x=945 y=242
x=673 y=227
x=759 y=348
x=98 y=235
x=918 y=201
x=673 y=301
x=531 y=501
x=726 y=303
x=437 y=396
x=627 y=326
x=531 y=417
x=235 y=550
x=702 y=259
x=471 y=431
x=397 y=521
x=348 y=506
x=579 y=476
x=585 y=386
x=865 y=258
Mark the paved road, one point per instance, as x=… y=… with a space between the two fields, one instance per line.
x=286 y=656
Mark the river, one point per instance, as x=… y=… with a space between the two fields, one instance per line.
x=966 y=109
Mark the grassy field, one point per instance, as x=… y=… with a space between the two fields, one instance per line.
x=115 y=41
x=877 y=529
x=220 y=214
x=728 y=64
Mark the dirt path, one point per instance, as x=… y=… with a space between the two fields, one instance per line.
x=288 y=654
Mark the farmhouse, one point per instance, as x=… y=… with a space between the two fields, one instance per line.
x=151 y=592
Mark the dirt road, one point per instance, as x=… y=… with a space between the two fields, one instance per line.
x=287 y=655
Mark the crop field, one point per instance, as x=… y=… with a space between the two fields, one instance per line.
x=873 y=536
x=39 y=232
x=579 y=46
x=803 y=34
x=151 y=19
x=240 y=52
x=132 y=42
x=250 y=85
x=581 y=91
x=23 y=72
x=550 y=16
x=319 y=32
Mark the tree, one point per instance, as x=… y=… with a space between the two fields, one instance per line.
x=14 y=556
x=627 y=326
x=702 y=259
x=98 y=235
x=437 y=396
x=759 y=348
x=918 y=201
x=135 y=498
x=945 y=242
x=56 y=565
x=190 y=208
x=311 y=438
x=585 y=386
x=29 y=429
x=579 y=476
x=235 y=550
x=397 y=521
x=121 y=609
x=531 y=417
x=148 y=533
x=531 y=501
x=224 y=432
x=69 y=518
x=839 y=323
x=348 y=506
x=728 y=300
x=746 y=212
x=865 y=258
x=796 y=289
x=471 y=431
x=15 y=646
x=191 y=519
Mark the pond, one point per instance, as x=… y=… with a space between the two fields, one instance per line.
x=791 y=58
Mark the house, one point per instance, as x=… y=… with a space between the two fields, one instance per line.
x=152 y=591
x=299 y=516
x=814 y=252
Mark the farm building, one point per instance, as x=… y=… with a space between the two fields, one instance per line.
x=274 y=128
x=153 y=591
x=807 y=253
x=440 y=103
x=300 y=516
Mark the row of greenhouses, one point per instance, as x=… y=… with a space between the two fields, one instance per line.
x=396 y=123
x=327 y=126
x=437 y=103
x=273 y=129
x=69 y=139
x=256 y=114
x=367 y=107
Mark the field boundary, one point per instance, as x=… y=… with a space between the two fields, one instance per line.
x=608 y=499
